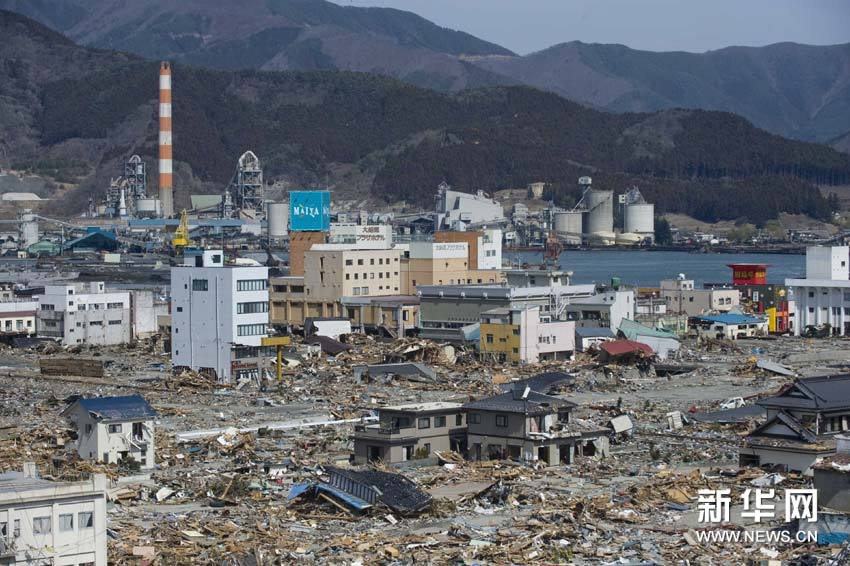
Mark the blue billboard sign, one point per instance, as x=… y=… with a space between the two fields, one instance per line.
x=310 y=211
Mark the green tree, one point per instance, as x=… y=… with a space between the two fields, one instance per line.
x=663 y=234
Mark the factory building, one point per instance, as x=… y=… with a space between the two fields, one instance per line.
x=219 y=316
x=823 y=297
x=457 y=210
x=85 y=313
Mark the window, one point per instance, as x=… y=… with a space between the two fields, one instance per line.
x=252 y=308
x=502 y=421
x=88 y=428
x=96 y=323
x=439 y=422
x=359 y=262
x=489 y=338
x=179 y=309
x=458 y=420
x=250 y=329
x=115 y=305
x=516 y=331
x=16 y=529
x=474 y=418
x=200 y=285
x=364 y=290
x=114 y=322
x=371 y=276
x=356 y=291
x=41 y=526
x=48 y=307
x=372 y=261
x=114 y=428
x=349 y=262
x=424 y=422
x=86 y=520
x=427 y=447
x=347 y=276
x=4 y=529
x=252 y=285
x=66 y=522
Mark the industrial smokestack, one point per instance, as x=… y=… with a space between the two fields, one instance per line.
x=166 y=179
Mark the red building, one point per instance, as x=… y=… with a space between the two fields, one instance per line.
x=749 y=273
x=762 y=297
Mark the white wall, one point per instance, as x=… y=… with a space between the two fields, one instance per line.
x=435 y=250
x=85 y=314
x=490 y=249
x=99 y=441
x=828 y=262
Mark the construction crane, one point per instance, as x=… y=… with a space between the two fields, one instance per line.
x=181 y=235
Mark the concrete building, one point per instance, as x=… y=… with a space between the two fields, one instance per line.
x=536 y=277
x=398 y=315
x=606 y=307
x=444 y=263
x=85 y=313
x=457 y=210
x=522 y=335
x=823 y=297
x=47 y=522
x=145 y=308
x=362 y=236
x=112 y=429
x=683 y=298
x=802 y=423
x=18 y=317
x=729 y=326
x=445 y=310
x=530 y=426
x=762 y=298
x=485 y=246
x=219 y=316
x=299 y=244
x=411 y=432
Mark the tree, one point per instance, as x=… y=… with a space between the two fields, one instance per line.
x=663 y=234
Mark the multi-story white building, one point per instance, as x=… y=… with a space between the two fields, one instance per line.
x=823 y=297
x=683 y=298
x=219 y=316
x=85 y=313
x=47 y=522
x=112 y=429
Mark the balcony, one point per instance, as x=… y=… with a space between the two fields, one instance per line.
x=378 y=432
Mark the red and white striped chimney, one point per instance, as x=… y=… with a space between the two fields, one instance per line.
x=166 y=170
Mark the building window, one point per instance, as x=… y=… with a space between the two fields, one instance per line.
x=252 y=285
x=489 y=338
x=66 y=522
x=16 y=528
x=252 y=308
x=41 y=526
x=349 y=262
x=114 y=428
x=364 y=290
x=359 y=262
x=424 y=422
x=114 y=305
x=88 y=428
x=516 y=331
x=96 y=323
x=250 y=329
x=356 y=291
x=86 y=520
x=200 y=285
x=4 y=530
x=502 y=421
x=458 y=420
x=811 y=294
x=48 y=307
x=372 y=261
x=439 y=422
x=347 y=276
x=474 y=418
x=179 y=309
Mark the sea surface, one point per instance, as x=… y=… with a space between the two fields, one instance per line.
x=646 y=268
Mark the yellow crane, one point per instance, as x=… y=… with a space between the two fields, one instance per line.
x=181 y=235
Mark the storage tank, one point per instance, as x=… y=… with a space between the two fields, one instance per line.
x=147 y=208
x=278 y=219
x=639 y=218
x=28 y=229
x=568 y=226
x=600 y=212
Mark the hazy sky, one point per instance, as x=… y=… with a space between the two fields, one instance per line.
x=657 y=25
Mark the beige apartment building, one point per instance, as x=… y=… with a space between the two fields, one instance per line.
x=443 y=263
x=332 y=272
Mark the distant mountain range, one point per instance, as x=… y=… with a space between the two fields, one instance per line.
x=797 y=91
x=75 y=113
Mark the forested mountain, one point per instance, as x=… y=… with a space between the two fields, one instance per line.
x=77 y=113
x=798 y=91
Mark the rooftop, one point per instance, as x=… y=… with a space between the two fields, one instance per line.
x=513 y=402
x=730 y=318
x=107 y=409
x=424 y=407
x=821 y=393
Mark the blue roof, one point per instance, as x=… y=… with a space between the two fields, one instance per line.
x=127 y=408
x=730 y=318
x=108 y=239
x=591 y=332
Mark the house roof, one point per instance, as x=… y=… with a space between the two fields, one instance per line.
x=512 y=402
x=821 y=393
x=730 y=318
x=116 y=409
x=542 y=382
x=633 y=330
x=622 y=347
x=590 y=332
x=802 y=434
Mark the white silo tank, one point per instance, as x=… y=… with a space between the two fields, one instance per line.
x=148 y=208
x=568 y=226
x=600 y=212
x=639 y=219
x=278 y=219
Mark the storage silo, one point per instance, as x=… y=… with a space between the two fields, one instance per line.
x=639 y=218
x=600 y=212
x=28 y=229
x=568 y=225
x=278 y=219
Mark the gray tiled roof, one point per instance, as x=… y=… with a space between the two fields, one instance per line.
x=822 y=393
x=512 y=402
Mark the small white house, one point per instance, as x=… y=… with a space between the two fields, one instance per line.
x=730 y=326
x=110 y=429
